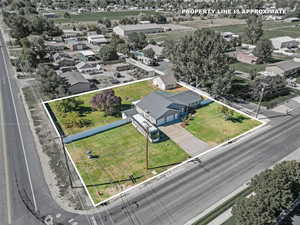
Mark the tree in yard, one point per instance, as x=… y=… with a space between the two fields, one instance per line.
x=253 y=74
x=67 y=15
x=263 y=51
x=107 y=23
x=68 y=105
x=137 y=40
x=74 y=119
x=149 y=53
x=200 y=60
x=227 y=112
x=107 y=102
x=123 y=48
x=254 y=28
x=274 y=86
x=107 y=53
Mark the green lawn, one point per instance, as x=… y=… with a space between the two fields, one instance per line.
x=121 y=153
x=209 y=125
x=94 y=16
x=298 y=80
x=128 y=93
x=247 y=68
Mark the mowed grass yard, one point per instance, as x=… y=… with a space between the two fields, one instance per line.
x=128 y=93
x=121 y=153
x=209 y=125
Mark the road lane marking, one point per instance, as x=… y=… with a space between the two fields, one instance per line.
x=6 y=168
x=19 y=129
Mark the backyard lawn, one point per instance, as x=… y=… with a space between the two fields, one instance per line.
x=209 y=125
x=121 y=153
x=128 y=93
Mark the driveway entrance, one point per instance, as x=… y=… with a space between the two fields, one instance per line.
x=188 y=142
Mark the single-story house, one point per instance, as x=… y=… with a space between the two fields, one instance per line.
x=71 y=40
x=246 y=57
x=68 y=33
x=78 y=46
x=87 y=55
x=229 y=36
x=165 y=82
x=285 y=68
x=284 y=42
x=121 y=66
x=157 y=49
x=97 y=39
x=86 y=67
x=59 y=55
x=77 y=82
x=53 y=46
x=163 y=107
x=65 y=62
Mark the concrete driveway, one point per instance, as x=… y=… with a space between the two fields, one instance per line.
x=188 y=142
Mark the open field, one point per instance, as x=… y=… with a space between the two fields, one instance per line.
x=94 y=16
x=128 y=93
x=121 y=153
x=209 y=125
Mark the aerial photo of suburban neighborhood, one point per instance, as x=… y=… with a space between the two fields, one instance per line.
x=156 y=112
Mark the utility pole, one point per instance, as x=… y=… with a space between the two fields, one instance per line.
x=260 y=100
x=66 y=159
x=147 y=149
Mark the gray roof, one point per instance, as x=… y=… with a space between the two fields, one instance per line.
x=186 y=97
x=287 y=65
x=168 y=79
x=159 y=104
x=74 y=77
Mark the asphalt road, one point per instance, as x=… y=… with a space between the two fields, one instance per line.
x=172 y=200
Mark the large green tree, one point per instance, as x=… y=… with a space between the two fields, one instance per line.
x=200 y=60
x=137 y=40
x=254 y=28
x=51 y=84
x=274 y=191
x=263 y=51
x=107 y=53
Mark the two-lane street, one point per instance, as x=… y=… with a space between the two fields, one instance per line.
x=170 y=200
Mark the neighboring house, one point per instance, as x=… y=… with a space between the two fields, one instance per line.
x=77 y=82
x=165 y=82
x=125 y=30
x=229 y=36
x=97 y=39
x=246 y=57
x=157 y=49
x=71 y=40
x=59 y=55
x=121 y=66
x=55 y=46
x=85 y=67
x=65 y=62
x=284 y=42
x=71 y=33
x=50 y=15
x=87 y=55
x=285 y=68
x=78 y=46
